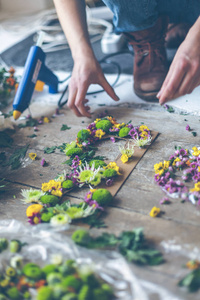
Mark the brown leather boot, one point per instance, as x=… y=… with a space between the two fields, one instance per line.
x=150 y=61
x=176 y=34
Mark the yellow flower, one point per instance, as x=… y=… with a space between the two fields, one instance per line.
x=144 y=134
x=159 y=168
x=196 y=187
x=154 y=212
x=32 y=155
x=176 y=160
x=45 y=187
x=166 y=164
x=97 y=120
x=57 y=193
x=46 y=120
x=198 y=168
x=89 y=131
x=51 y=184
x=93 y=190
x=124 y=158
x=99 y=133
x=79 y=145
x=113 y=165
x=143 y=127
x=33 y=209
x=112 y=120
x=119 y=125
x=195 y=152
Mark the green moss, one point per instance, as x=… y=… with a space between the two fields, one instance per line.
x=72 y=282
x=81 y=237
x=13 y=293
x=102 y=196
x=45 y=293
x=46 y=217
x=105 y=125
x=50 y=269
x=109 y=173
x=49 y=199
x=97 y=163
x=124 y=131
x=67 y=184
x=74 y=151
x=83 y=135
x=32 y=271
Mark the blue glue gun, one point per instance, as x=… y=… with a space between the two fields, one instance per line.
x=35 y=74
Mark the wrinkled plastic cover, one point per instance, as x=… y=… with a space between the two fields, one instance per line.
x=43 y=243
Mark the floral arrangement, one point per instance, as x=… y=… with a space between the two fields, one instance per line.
x=20 y=279
x=86 y=170
x=8 y=83
x=189 y=163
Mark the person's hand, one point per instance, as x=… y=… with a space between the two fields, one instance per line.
x=86 y=71
x=184 y=73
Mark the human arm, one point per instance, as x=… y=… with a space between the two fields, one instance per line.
x=184 y=72
x=86 y=68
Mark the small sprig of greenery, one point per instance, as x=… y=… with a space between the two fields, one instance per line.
x=131 y=244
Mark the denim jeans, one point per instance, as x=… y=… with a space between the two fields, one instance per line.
x=135 y=15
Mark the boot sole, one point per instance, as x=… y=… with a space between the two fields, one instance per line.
x=149 y=96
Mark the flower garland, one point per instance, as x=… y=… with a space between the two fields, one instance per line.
x=86 y=169
x=189 y=162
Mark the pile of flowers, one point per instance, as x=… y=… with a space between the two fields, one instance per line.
x=182 y=160
x=8 y=83
x=86 y=169
x=21 y=279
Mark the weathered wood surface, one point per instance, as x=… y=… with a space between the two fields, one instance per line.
x=130 y=209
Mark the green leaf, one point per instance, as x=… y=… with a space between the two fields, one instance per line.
x=29 y=123
x=194 y=133
x=32 y=135
x=62 y=147
x=49 y=150
x=15 y=159
x=64 y=127
x=94 y=221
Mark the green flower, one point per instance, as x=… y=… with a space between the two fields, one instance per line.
x=142 y=142
x=72 y=282
x=15 y=246
x=109 y=173
x=10 y=272
x=13 y=293
x=60 y=219
x=129 y=150
x=97 y=179
x=32 y=271
x=97 y=163
x=46 y=217
x=48 y=269
x=83 y=135
x=124 y=131
x=45 y=293
x=102 y=196
x=105 y=125
x=86 y=174
x=16 y=261
x=31 y=195
x=61 y=177
x=67 y=184
x=54 y=278
x=81 y=237
x=74 y=151
x=70 y=146
x=49 y=199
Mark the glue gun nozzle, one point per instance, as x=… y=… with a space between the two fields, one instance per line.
x=16 y=114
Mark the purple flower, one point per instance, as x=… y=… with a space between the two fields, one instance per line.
x=43 y=162
x=35 y=219
x=187 y=128
x=109 y=182
x=35 y=128
x=88 y=197
x=96 y=204
x=112 y=139
x=165 y=200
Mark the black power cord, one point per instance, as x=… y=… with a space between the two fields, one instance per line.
x=106 y=61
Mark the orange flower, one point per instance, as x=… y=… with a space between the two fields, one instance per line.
x=33 y=209
x=40 y=283
x=193 y=264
